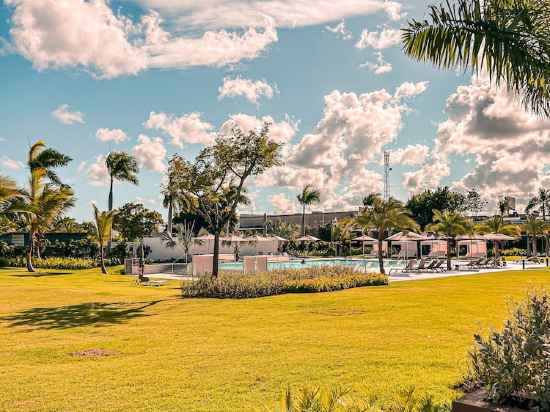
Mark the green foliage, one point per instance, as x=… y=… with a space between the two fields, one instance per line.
x=337 y=399
x=53 y=263
x=508 y=39
x=320 y=279
x=515 y=361
x=513 y=252
x=423 y=204
x=133 y=221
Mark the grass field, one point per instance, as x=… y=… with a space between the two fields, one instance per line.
x=171 y=354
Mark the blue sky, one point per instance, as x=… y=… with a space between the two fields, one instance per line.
x=302 y=63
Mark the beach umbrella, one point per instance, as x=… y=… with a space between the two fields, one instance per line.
x=363 y=239
x=307 y=238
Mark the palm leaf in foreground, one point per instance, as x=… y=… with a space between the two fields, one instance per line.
x=508 y=39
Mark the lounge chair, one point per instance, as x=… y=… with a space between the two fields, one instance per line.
x=421 y=266
x=439 y=267
x=431 y=265
x=474 y=263
x=145 y=281
x=410 y=266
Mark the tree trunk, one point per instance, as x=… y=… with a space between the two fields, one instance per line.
x=449 y=264
x=30 y=267
x=169 y=223
x=534 y=246
x=111 y=196
x=101 y=258
x=303 y=220
x=215 y=263
x=381 y=255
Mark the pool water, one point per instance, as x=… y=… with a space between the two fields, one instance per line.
x=362 y=265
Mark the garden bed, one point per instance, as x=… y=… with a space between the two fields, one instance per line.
x=310 y=280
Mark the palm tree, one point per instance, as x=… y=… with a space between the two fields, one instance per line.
x=383 y=216
x=534 y=228
x=46 y=197
x=542 y=202
x=122 y=167
x=103 y=226
x=344 y=230
x=8 y=189
x=508 y=39
x=308 y=197
x=496 y=224
x=450 y=224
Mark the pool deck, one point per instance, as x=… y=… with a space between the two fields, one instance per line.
x=404 y=276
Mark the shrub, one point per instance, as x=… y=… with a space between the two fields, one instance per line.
x=318 y=279
x=513 y=252
x=53 y=263
x=514 y=364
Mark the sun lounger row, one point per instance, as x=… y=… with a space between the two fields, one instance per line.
x=485 y=263
x=423 y=265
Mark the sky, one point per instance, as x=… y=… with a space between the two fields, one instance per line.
x=158 y=77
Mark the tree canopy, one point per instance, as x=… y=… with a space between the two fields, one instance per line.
x=133 y=221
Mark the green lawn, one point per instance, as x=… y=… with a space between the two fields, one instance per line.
x=220 y=355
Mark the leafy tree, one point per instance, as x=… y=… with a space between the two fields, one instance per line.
x=451 y=224
x=122 y=167
x=496 y=224
x=213 y=184
x=46 y=198
x=541 y=202
x=191 y=218
x=104 y=225
x=473 y=202
x=133 y=221
x=288 y=231
x=384 y=216
x=508 y=39
x=308 y=197
x=422 y=205
x=343 y=231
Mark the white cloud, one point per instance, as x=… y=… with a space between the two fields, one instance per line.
x=66 y=116
x=379 y=40
x=188 y=128
x=380 y=66
x=150 y=153
x=335 y=156
x=81 y=167
x=89 y=35
x=11 y=164
x=411 y=155
x=250 y=89
x=280 y=132
x=215 y=14
x=282 y=204
x=111 y=135
x=98 y=174
x=510 y=146
x=409 y=89
x=341 y=31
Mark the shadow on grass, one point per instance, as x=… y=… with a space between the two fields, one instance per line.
x=86 y=314
x=40 y=274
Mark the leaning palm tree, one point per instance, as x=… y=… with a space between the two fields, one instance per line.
x=383 y=216
x=308 y=197
x=122 y=167
x=508 y=39
x=8 y=189
x=450 y=224
x=103 y=226
x=46 y=197
x=496 y=224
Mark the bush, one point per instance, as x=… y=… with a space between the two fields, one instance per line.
x=513 y=252
x=319 y=279
x=514 y=364
x=53 y=263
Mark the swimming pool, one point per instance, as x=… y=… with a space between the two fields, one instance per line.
x=362 y=265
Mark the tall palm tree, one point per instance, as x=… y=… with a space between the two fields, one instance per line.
x=508 y=39
x=496 y=224
x=103 y=226
x=122 y=167
x=308 y=197
x=46 y=197
x=383 y=216
x=8 y=189
x=542 y=202
x=450 y=224
x=534 y=228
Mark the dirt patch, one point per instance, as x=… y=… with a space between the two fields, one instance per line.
x=94 y=353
